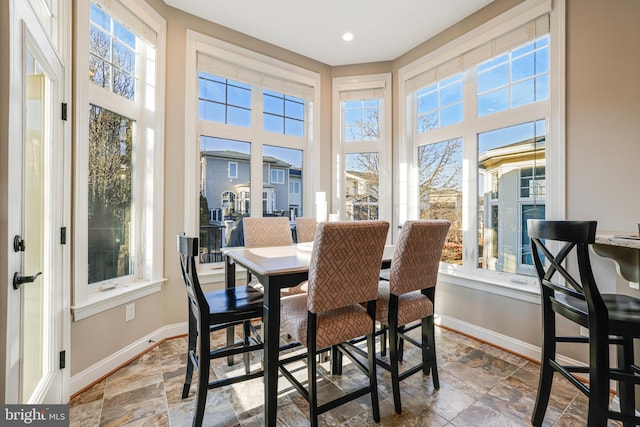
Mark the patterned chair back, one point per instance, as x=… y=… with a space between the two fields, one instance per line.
x=417 y=256
x=305 y=229
x=267 y=231
x=345 y=263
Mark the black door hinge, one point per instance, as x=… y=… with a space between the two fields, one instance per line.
x=64 y=111
x=63 y=359
x=63 y=235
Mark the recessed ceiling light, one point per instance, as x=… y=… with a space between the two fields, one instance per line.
x=347 y=37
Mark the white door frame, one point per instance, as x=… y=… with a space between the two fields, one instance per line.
x=26 y=30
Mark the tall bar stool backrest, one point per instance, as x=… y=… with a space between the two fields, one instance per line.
x=557 y=247
x=575 y=237
x=345 y=263
x=417 y=256
x=188 y=250
x=305 y=229
x=262 y=232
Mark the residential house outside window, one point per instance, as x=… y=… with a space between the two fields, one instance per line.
x=118 y=158
x=479 y=131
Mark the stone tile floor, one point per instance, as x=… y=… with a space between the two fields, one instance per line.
x=480 y=385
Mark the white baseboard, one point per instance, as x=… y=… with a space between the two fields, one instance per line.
x=509 y=343
x=97 y=371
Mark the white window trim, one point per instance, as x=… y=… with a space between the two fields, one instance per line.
x=279 y=174
x=341 y=149
x=229 y=174
x=249 y=60
x=518 y=287
x=91 y=300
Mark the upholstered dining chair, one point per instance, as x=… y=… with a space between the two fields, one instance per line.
x=269 y=231
x=343 y=275
x=262 y=232
x=305 y=229
x=408 y=296
x=560 y=251
x=213 y=311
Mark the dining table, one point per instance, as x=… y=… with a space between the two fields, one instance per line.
x=276 y=268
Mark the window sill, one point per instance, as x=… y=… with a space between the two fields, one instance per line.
x=522 y=288
x=99 y=301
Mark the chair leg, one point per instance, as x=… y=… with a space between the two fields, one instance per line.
x=394 y=360
x=191 y=350
x=311 y=371
x=400 y=345
x=230 y=340
x=546 y=370
x=383 y=341
x=246 y=333
x=598 y=378
x=203 y=380
x=373 y=378
x=626 y=389
x=429 y=361
x=336 y=361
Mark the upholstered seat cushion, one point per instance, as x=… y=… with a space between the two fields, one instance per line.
x=333 y=327
x=411 y=306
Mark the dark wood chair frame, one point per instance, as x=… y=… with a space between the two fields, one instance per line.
x=212 y=311
x=369 y=369
x=607 y=317
x=397 y=335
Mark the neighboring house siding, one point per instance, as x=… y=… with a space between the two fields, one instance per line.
x=217 y=180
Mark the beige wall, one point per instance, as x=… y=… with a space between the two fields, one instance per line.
x=603 y=119
x=603 y=124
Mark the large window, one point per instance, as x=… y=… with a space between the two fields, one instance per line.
x=511 y=182
x=478 y=125
x=119 y=149
x=363 y=169
x=253 y=128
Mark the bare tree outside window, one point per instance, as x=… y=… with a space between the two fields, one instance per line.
x=362 y=177
x=110 y=198
x=440 y=169
x=112 y=66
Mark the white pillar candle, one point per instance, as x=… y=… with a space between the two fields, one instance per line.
x=321 y=206
x=321 y=211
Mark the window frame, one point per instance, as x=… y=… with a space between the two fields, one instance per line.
x=379 y=85
x=250 y=62
x=279 y=176
x=148 y=198
x=235 y=169
x=407 y=201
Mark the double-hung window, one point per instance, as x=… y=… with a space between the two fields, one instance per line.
x=118 y=151
x=478 y=144
x=249 y=133
x=362 y=135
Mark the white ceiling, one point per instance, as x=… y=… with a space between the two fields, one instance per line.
x=383 y=29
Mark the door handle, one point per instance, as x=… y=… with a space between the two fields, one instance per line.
x=19 y=280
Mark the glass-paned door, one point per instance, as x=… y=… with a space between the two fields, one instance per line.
x=34 y=312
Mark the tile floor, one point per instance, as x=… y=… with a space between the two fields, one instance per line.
x=479 y=386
